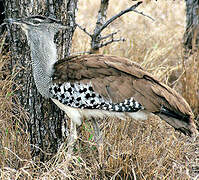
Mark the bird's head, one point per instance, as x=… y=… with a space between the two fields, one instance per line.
x=37 y=23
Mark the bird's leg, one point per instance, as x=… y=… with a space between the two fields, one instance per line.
x=72 y=137
x=98 y=139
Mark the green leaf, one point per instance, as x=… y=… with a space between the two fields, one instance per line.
x=91 y=137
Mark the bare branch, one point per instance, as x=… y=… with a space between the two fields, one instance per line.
x=111 y=41
x=117 y=16
x=109 y=35
x=144 y=14
x=101 y=25
x=84 y=29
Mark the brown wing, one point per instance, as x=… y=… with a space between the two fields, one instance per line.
x=117 y=79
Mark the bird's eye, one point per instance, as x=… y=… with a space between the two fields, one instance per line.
x=36 y=21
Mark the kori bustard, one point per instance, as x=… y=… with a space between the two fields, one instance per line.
x=90 y=86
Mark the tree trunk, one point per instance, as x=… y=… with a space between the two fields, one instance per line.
x=2 y=16
x=191 y=36
x=46 y=121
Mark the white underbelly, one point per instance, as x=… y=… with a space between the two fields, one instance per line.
x=77 y=115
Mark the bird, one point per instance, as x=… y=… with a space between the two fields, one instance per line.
x=96 y=85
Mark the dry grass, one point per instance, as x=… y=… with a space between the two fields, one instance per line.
x=145 y=149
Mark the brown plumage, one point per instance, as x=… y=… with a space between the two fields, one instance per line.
x=117 y=79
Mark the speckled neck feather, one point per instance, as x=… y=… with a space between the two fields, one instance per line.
x=43 y=55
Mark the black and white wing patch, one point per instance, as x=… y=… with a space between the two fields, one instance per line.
x=83 y=96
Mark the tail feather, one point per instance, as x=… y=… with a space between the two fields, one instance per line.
x=181 y=122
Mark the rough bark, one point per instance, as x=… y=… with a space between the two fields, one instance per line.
x=45 y=119
x=191 y=36
x=2 y=16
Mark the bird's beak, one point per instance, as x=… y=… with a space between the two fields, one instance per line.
x=19 y=22
x=12 y=21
